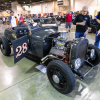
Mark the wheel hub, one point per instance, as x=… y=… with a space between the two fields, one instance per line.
x=92 y=53
x=1 y=46
x=56 y=79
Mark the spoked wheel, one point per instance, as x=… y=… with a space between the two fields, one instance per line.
x=4 y=46
x=58 y=78
x=61 y=76
x=94 y=54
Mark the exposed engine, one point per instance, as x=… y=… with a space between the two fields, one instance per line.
x=61 y=49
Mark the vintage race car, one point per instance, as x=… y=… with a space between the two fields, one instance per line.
x=63 y=58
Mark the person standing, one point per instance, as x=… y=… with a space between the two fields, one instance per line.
x=21 y=20
x=82 y=22
x=16 y=20
x=7 y=20
x=4 y=20
x=68 y=20
x=18 y=17
x=12 y=20
x=97 y=36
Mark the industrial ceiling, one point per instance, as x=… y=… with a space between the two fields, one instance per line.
x=6 y=5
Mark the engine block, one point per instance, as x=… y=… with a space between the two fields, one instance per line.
x=56 y=51
x=59 y=48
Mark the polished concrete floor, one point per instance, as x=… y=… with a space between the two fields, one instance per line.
x=22 y=81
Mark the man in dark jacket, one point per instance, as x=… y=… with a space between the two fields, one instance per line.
x=82 y=21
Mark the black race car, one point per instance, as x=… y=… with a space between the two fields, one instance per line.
x=63 y=58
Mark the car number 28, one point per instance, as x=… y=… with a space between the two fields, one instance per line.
x=21 y=49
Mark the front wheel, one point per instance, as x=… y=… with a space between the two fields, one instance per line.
x=96 y=55
x=61 y=76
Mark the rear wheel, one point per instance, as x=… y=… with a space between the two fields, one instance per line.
x=96 y=58
x=61 y=76
x=4 y=46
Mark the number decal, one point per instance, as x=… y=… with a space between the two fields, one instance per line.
x=21 y=49
x=24 y=47
x=18 y=49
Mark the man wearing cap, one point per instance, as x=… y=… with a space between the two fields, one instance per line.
x=82 y=22
x=12 y=19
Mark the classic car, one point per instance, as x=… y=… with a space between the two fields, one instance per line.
x=63 y=58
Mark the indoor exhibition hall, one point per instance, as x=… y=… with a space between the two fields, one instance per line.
x=49 y=50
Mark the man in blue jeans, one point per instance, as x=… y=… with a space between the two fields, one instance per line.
x=82 y=22
x=97 y=37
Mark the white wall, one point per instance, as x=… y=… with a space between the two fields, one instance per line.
x=14 y=7
x=43 y=8
x=20 y=10
x=56 y=7
x=80 y=3
x=92 y=5
x=17 y=8
x=50 y=7
x=3 y=13
x=36 y=9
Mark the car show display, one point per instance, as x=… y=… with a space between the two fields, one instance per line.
x=62 y=58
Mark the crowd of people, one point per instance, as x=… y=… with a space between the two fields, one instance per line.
x=82 y=22
x=13 y=20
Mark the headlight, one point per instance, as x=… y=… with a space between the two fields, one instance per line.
x=77 y=63
x=92 y=53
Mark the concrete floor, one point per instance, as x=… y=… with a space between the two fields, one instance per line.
x=23 y=81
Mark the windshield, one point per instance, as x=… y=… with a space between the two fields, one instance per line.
x=38 y=22
x=46 y=21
